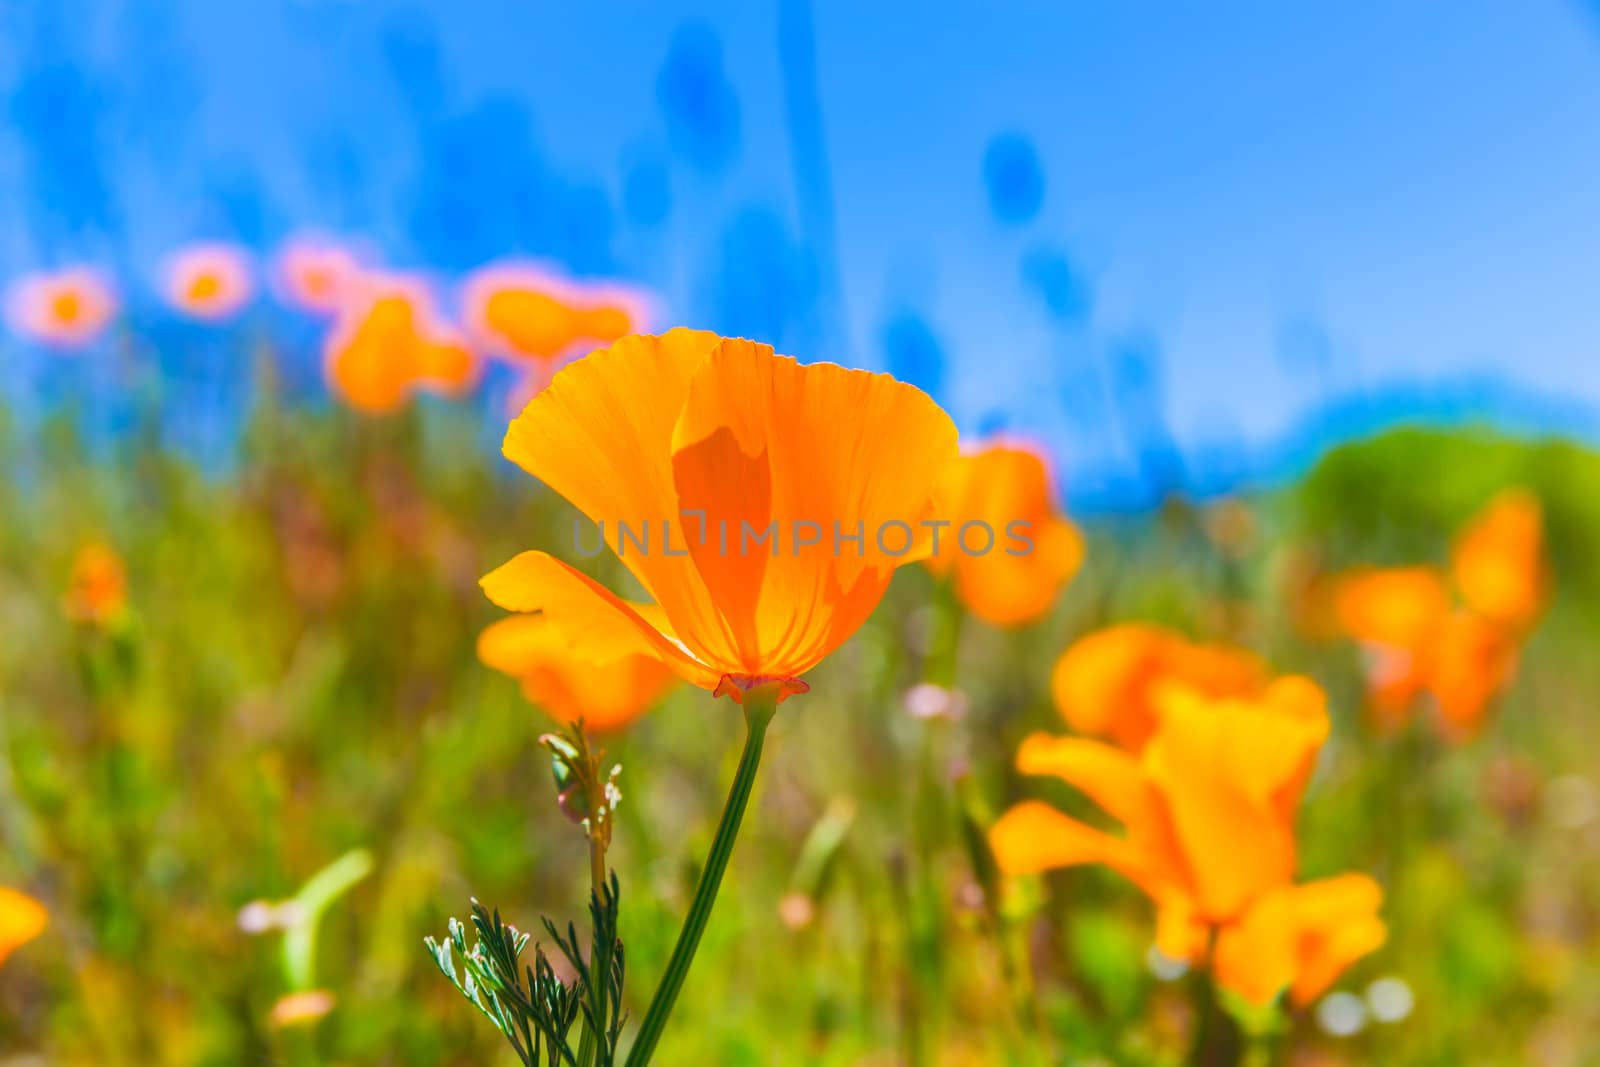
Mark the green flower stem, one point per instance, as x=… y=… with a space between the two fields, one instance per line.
x=589 y=1045
x=1217 y=1040
x=597 y=864
x=759 y=707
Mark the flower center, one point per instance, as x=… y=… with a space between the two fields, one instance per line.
x=205 y=287
x=67 y=307
x=738 y=686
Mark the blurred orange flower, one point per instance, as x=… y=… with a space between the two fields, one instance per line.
x=1474 y=661
x=315 y=275
x=1208 y=805
x=606 y=693
x=1107 y=683
x=97 y=588
x=537 y=321
x=209 y=281
x=1460 y=647
x=1398 y=613
x=1208 y=809
x=525 y=314
x=21 y=920
x=388 y=343
x=67 y=309
x=742 y=468
x=991 y=497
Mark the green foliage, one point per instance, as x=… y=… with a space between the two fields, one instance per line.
x=1109 y=954
x=307 y=906
x=533 y=1007
x=1398 y=496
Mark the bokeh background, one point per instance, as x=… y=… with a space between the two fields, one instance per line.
x=1279 y=289
x=1233 y=233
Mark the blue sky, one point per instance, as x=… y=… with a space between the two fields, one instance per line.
x=1247 y=208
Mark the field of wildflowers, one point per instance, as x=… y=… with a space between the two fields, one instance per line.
x=1295 y=777
x=476 y=662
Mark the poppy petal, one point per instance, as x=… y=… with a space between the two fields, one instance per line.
x=1180 y=933
x=1108 y=776
x=1034 y=837
x=852 y=459
x=21 y=920
x=1098 y=683
x=1221 y=769
x=1400 y=606
x=606 y=692
x=1256 y=956
x=600 y=435
x=1339 y=925
x=1011 y=550
x=596 y=623
x=1498 y=560
x=729 y=492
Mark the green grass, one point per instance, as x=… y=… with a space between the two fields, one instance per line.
x=296 y=680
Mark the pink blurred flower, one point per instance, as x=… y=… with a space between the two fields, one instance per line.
x=65 y=309
x=315 y=274
x=209 y=281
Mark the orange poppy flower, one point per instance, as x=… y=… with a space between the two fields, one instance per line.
x=1419 y=640
x=387 y=343
x=607 y=694
x=97 y=588
x=1107 y=682
x=774 y=499
x=66 y=310
x=21 y=920
x=1007 y=545
x=1498 y=560
x=209 y=281
x=1207 y=809
x=525 y=314
x=316 y=275
x=536 y=321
